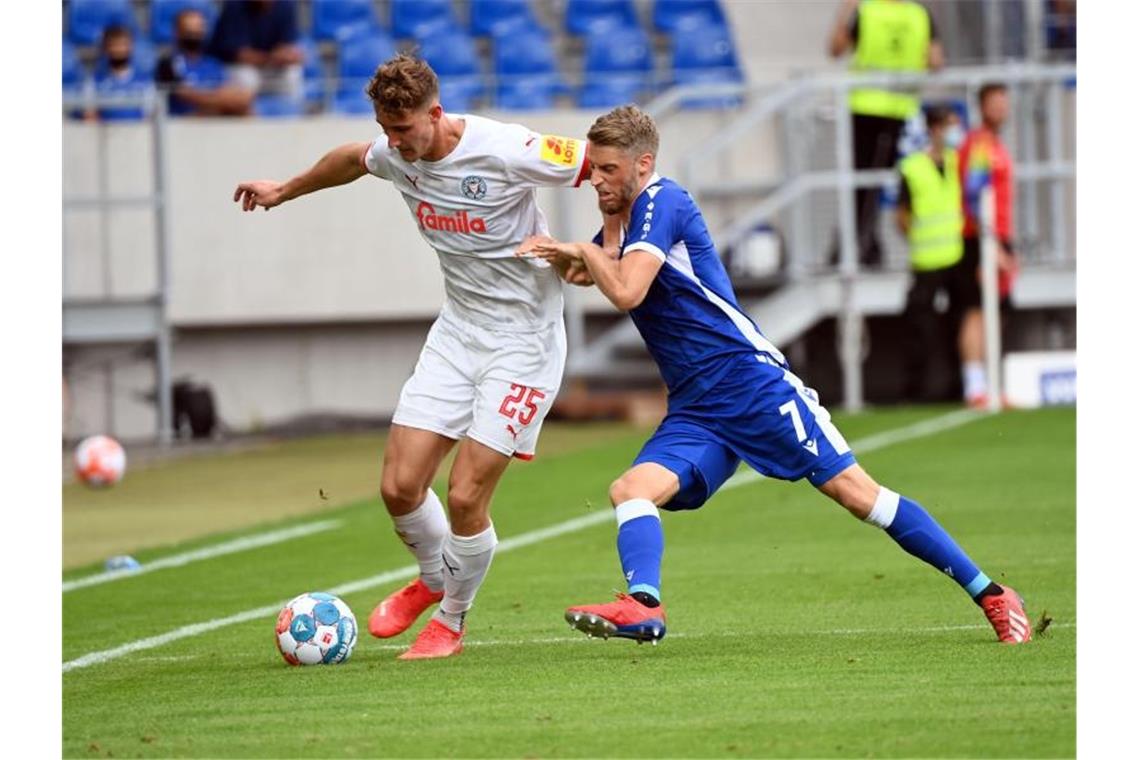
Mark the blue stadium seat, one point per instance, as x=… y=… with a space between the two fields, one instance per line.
x=338 y=19
x=488 y=16
x=277 y=106
x=86 y=19
x=508 y=30
x=706 y=55
x=530 y=92
x=619 y=50
x=358 y=58
x=164 y=12
x=618 y=67
x=592 y=16
x=144 y=56
x=671 y=16
x=74 y=77
x=453 y=56
x=527 y=71
x=421 y=18
x=313 y=73
x=526 y=52
x=614 y=90
x=73 y=72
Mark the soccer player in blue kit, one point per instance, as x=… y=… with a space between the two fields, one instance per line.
x=732 y=396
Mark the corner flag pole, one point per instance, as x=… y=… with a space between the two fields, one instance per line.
x=991 y=314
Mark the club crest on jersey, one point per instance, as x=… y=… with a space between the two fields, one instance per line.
x=458 y=222
x=474 y=187
x=560 y=151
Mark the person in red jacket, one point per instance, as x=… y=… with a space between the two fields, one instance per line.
x=984 y=161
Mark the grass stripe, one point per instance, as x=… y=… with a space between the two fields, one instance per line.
x=870 y=443
x=209 y=552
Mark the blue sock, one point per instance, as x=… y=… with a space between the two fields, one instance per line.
x=919 y=534
x=640 y=543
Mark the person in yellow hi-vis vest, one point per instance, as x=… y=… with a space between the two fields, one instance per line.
x=930 y=215
x=886 y=36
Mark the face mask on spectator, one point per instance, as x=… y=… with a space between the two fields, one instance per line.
x=191 y=44
x=954 y=136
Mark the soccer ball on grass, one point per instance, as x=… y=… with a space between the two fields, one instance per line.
x=316 y=629
x=100 y=461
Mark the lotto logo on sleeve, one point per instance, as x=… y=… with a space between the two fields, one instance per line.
x=560 y=151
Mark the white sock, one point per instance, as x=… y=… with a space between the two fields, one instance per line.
x=422 y=531
x=466 y=560
x=973 y=380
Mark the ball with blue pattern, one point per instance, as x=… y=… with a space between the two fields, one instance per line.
x=316 y=628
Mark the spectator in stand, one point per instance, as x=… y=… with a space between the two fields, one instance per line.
x=885 y=36
x=116 y=74
x=257 y=40
x=984 y=161
x=930 y=215
x=196 y=81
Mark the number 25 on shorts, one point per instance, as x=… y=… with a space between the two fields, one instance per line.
x=526 y=397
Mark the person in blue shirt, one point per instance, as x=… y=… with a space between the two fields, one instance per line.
x=257 y=40
x=118 y=75
x=196 y=81
x=732 y=395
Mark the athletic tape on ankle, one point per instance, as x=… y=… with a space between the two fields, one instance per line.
x=634 y=508
x=886 y=506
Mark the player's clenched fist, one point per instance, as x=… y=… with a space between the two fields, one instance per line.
x=264 y=193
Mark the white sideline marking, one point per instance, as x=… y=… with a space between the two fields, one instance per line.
x=207 y=552
x=871 y=443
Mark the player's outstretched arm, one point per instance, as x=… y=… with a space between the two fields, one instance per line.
x=339 y=166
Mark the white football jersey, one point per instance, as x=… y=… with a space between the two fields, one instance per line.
x=476 y=205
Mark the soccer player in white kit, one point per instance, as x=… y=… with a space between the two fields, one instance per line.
x=493 y=360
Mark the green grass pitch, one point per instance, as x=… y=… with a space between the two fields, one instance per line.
x=794 y=631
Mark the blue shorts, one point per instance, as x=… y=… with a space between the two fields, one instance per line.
x=762 y=414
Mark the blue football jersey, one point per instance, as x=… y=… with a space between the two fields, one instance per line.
x=690 y=319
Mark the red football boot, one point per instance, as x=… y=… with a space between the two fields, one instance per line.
x=1006 y=613
x=400 y=609
x=435 y=640
x=627 y=618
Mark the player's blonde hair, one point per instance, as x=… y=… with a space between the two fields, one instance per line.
x=628 y=128
x=404 y=83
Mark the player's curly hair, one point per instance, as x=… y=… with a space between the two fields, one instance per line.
x=628 y=128
x=404 y=83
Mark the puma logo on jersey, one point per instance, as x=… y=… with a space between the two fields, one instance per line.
x=514 y=433
x=459 y=222
x=413 y=180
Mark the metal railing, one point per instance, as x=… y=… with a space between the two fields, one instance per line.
x=792 y=190
x=109 y=319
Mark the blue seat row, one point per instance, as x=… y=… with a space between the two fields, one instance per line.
x=523 y=72
x=334 y=19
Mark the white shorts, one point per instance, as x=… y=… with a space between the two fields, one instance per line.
x=493 y=387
